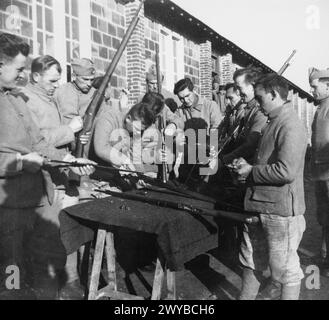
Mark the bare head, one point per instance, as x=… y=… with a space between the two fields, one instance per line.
x=13 y=54
x=46 y=72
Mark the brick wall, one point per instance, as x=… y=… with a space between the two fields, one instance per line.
x=136 y=54
x=206 y=70
x=108 y=26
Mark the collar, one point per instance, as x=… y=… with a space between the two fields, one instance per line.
x=324 y=102
x=251 y=104
x=39 y=92
x=277 y=111
x=197 y=105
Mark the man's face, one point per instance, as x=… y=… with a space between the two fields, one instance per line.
x=232 y=97
x=187 y=97
x=215 y=86
x=152 y=86
x=49 y=80
x=264 y=99
x=84 y=83
x=246 y=89
x=12 y=71
x=319 y=89
x=222 y=92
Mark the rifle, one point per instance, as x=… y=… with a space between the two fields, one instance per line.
x=97 y=100
x=161 y=120
x=236 y=129
x=286 y=64
x=238 y=217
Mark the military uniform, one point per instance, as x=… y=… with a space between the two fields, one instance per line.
x=320 y=164
x=247 y=141
x=70 y=99
x=203 y=109
x=26 y=226
x=72 y=102
x=46 y=114
x=232 y=119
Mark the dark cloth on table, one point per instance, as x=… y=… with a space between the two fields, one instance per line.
x=180 y=236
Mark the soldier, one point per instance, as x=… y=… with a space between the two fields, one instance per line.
x=45 y=75
x=196 y=107
x=254 y=120
x=275 y=190
x=73 y=98
x=319 y=82
x=28 y=229
x=234 y=111
x=117 y=131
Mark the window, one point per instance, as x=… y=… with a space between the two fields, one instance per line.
x=72 y=30
x=171 y=57
x=45 y=27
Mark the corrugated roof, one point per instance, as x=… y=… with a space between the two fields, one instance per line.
x=177 y=19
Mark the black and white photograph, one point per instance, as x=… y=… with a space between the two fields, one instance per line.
x=166 y=151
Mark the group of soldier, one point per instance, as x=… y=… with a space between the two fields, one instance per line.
x=264 y=154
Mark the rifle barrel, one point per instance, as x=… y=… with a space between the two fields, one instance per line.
x=99 y=95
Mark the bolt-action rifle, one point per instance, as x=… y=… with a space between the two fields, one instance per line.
x=97 y=100
x=239 y=217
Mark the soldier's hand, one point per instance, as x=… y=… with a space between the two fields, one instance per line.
x=86 y=170
x=242 y=168
x=84 y=138
x=76 y=124
x=32 y=162
x=170 y=130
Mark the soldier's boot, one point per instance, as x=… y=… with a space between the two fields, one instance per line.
x=271 y=292
x=290 y=292
x=250 y=285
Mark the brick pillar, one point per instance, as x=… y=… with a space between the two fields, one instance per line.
x=135 y=54
x=205 y=70
x=226 y=69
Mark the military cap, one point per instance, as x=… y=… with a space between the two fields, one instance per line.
x=83 y=67
x=318 y=74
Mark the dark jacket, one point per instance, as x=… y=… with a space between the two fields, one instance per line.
x=320 y=142
x=254 y=122
x=275 y=185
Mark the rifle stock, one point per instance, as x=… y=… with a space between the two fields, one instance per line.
x=97 y=100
